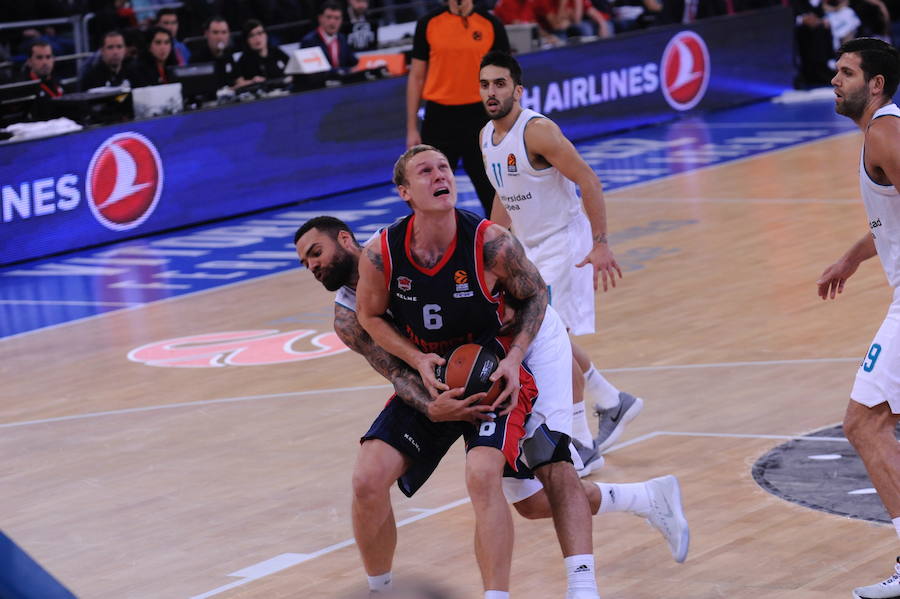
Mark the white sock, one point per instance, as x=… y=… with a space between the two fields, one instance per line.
x=580 y=573
x=896 y=522
x=581 y=430
x=496 y=595
x=382 y=582
x=599 y=389
x=626 y=497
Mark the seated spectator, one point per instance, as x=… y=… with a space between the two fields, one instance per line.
x=569 y=18
x=39 y=67
x=112 y=70
x=629 y=15
x=328 y=37
x=167 y=18
x=814 y=44
x=518 y=12
x=260 y=61
x=151 y=68
x=360 y=29
x=218 y=39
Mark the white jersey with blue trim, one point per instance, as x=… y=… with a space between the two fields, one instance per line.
x=883 y=208
x=346 y=297
x=540 y=202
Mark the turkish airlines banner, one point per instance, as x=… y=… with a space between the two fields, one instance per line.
x=113 y=183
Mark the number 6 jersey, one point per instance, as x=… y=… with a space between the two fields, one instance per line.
x=449 y=304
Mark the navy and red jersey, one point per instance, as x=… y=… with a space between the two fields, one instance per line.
x=449 y=304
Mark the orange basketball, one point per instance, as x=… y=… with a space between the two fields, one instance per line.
x=470 y=366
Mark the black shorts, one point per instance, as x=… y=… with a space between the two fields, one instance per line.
x=411 y=433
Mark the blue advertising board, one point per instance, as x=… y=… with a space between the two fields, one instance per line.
x=123 y=181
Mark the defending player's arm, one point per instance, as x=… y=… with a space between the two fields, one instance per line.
x=407 y=383
x=372 y=303
x=505 y=259
x=543 y=137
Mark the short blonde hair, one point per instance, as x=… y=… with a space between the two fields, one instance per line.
x=400 y=166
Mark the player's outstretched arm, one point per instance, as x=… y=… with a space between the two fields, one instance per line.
x=505 y=259
x=372 y=303
x=544 y=137
x=833 y=278
x=407 y=383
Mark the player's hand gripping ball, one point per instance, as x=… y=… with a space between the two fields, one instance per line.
x=470 y=366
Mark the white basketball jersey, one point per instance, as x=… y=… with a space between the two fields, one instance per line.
x=883 y=208
x=540 y=202
x=346 y=296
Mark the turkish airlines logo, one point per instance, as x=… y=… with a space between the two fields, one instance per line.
x=124 y=181
x=685 y=70
x=236 y=348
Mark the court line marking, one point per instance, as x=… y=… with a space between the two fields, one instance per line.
x=286 y=560
x=610 y=196
x=817 y=201
x=225 y=400
x=27 y=302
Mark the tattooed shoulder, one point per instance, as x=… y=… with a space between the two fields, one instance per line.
x=375 y=258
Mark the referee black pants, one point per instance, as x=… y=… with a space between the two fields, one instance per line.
x=454 y=131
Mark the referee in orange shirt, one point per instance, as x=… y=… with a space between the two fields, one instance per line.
x=447 y=50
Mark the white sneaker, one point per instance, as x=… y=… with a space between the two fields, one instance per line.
x=581 y=594
x=886 y=589
x=667 y=515
x=590 y=458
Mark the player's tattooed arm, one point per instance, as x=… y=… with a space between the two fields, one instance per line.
x=375 y=257
x=406 y=381
x=505 y=256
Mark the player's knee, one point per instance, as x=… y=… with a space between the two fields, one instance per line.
x=546 y=446
x=484 y=471
x=370 y=485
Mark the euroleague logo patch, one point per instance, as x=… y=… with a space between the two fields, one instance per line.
x=124 y=181
x=685 y=70
x=237 y=348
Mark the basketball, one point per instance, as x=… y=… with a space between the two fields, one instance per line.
x=470 y=366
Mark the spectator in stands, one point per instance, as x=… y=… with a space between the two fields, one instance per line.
x=218 y=39
x=570 y=18
x=152 y=66
x=328 y=37
x=518 y=12
x=820 y=29
x=39 y=67
x=688 y=11
x=629 y=15
x=112 y=70
x=167 y=18
x=360 y=29
x=260 y=61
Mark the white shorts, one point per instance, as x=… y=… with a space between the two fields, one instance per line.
x=549 y=357
x=517 y=489
x=571 y=288
x=878 y=377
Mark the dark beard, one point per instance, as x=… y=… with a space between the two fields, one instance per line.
x=853 y=105
x=505 y=109
x=340 y=272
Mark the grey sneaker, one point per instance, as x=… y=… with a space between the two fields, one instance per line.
x=613 y=421
x=667 y=516
x=590 y=458
x=886 y=589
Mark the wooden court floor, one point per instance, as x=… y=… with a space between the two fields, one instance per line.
x=127 y=480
